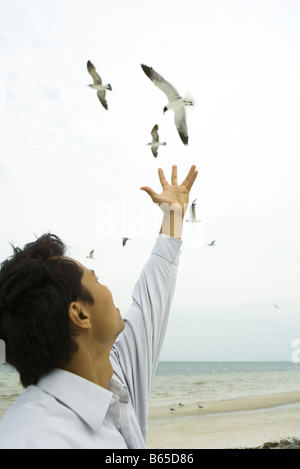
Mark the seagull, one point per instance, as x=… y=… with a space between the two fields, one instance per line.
x=276 y=306
x=97 y=85
x=91 y=255
x=155 y=141
x=212 y=243
x=125 y=241
x=192 y=218
x=176 y=102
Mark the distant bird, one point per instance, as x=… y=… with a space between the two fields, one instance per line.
x=276 y=306
x=91 y=255
x=180 y=405
x=155 y=141
x=200 y=406
x=176 y=102
x=212 y=243
x=193 y=218
x=172 y=409
x=97 y=85
x=125 y=241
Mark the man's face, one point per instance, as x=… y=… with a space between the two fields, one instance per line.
x=106 y=319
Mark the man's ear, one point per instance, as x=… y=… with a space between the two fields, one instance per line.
x=79 y=316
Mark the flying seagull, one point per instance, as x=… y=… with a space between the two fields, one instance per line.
x=155 y=141
x=193 y=218
x=276 y=306
x=125 y=241
x=176 y=102
x=97 y=85
x=212 y=243
x=91 y=255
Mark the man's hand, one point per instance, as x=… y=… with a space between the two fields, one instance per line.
x=173 y=200
x=174 y=193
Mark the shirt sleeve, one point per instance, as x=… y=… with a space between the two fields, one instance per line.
x=138 y=347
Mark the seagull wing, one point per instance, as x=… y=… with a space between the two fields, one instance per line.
x=193 y=210
x=191 y=213
x=101 y=95
x=161 y=83
x=154 y=151
x=154 y=133
x=93 y=73
x=180 y=122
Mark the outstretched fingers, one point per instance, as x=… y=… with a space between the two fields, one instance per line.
x=174 y=176
x=188 y=182
x=190 y=179
x=162 y=178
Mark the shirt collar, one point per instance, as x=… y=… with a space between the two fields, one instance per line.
x=86 y=399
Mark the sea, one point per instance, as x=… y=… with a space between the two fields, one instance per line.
x=188 y=382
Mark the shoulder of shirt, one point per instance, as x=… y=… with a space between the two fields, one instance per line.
x=22 y=418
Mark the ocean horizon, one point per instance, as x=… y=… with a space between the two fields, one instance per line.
x=193 y=381
x=196 y=381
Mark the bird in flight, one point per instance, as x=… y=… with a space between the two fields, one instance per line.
x=276 y=306
x=97 y=84
x=91 y=255
x=212 y=243
x=193 y=218
x=176 y=102
x=155 y=141
x=125 y=241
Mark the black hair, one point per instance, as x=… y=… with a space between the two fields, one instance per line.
x=37 y=285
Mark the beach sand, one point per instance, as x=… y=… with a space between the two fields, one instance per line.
x=235 y=423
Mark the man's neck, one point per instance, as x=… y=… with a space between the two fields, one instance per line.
x=98 y=371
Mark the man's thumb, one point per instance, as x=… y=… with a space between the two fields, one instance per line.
x=149 y=191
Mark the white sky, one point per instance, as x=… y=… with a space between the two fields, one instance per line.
x=70 y=167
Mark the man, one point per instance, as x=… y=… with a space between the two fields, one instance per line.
x=87 y=372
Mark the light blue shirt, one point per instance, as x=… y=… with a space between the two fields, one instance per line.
x=66 y=411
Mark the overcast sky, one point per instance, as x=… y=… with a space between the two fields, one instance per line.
x=70 y=167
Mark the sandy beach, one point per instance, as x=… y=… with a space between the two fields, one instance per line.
x=234 y=423
x=267 y=409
